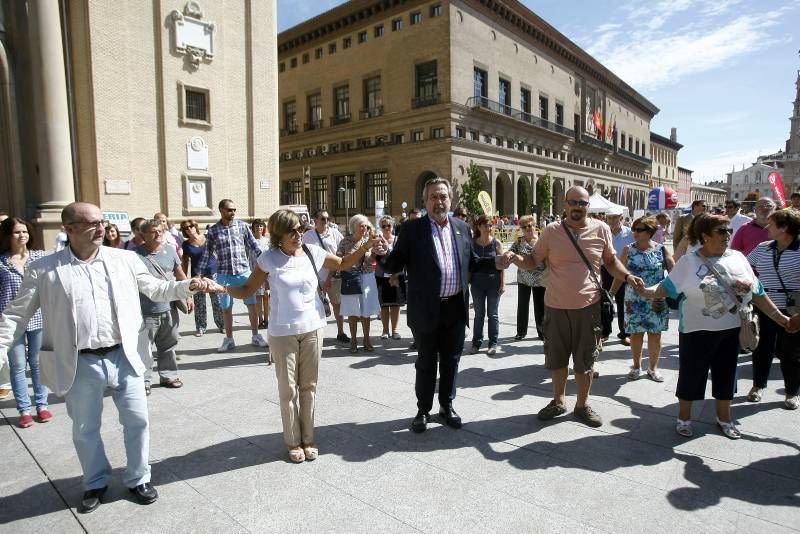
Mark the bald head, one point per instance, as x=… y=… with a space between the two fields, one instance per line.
x=577 y=192
x=577 y=204
x=79 y=211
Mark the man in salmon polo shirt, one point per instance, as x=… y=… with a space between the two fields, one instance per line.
x=572 y=324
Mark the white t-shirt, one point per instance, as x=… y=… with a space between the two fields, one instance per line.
x=706 y=304
x=294 y=307
x=330 y=242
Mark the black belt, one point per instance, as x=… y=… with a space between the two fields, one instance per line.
x=451 y=297
x=102 y=351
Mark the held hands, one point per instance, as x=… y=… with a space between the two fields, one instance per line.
x=504 y=261
x=793 y=324
x=394 y=280
x=636 y=283
x=206 y=285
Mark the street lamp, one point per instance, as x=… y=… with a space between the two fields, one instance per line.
x=346 y=205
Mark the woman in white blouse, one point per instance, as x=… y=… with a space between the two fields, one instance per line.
x=296 y=321
x=709 y=320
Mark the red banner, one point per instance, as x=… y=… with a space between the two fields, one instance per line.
x=777 y=187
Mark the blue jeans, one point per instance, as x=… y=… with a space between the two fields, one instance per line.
x=93 y=376
x=485 y=290
x=24 y=353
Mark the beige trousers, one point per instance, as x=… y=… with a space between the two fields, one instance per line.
x=297 y=368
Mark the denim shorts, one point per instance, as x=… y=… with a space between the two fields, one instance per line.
x=233 y=280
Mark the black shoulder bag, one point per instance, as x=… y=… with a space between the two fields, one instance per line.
x=606 y=302
x=792 y=297
x=320 y=293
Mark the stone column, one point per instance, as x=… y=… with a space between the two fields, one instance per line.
x=51 y=115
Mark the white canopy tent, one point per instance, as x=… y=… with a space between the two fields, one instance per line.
x=599 y=204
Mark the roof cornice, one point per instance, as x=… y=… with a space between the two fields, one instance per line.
x=666 y=141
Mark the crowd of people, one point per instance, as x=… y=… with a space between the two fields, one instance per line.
x=576 y=272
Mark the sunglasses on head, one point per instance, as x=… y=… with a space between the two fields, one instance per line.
x=582 y=203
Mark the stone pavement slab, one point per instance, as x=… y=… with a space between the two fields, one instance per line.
x=219 y=460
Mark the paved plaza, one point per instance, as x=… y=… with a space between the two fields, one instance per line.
x=220 y=464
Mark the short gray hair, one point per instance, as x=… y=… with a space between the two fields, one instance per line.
x=148 y=224
x=357 y=220
x=436 y=181
x=386 y=218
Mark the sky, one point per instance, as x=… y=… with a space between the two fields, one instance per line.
x=721 y=71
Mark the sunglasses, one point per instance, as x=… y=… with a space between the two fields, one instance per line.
x=386 y=226
x=296 y=231
x=526 y=226
x=726 y=231
x=581 y=203
x=641 y=230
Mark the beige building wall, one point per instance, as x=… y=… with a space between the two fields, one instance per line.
x=129 y=98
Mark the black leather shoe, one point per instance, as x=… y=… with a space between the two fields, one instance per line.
x=420 y=422
x=144 y=493
x=91 y=500
x=451 y=418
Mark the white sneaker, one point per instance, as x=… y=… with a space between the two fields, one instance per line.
x=492 y=351
x=634 y=373
x=259 y=341
x=228 y=344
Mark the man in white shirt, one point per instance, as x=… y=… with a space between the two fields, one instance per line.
x=89 y=296
x=738 y=220
x=328 y=238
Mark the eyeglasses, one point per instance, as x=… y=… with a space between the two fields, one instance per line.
x=722 y=231
x=582 y=203
x=89 y=224
x=641 y=230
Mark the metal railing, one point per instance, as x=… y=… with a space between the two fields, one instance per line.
x=370 y=113
x=289 y=130
x=316 y=125
x=589 y=140
x=424 y=101
x=340 y=119
x=522 y=116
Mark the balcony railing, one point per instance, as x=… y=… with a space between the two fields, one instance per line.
x=315 y=125
x=289 y=130
x=340 y=119
x=634 y=156
x=522 y=116
x=589 y=140
x=370 y=113
x=424 y=101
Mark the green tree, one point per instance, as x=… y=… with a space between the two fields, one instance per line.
x=544 y=194
x=471 y=188
x=523 y=197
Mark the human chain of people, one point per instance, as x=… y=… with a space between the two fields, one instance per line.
x=109 y=310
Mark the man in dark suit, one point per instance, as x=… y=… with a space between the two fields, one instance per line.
x=436 y=251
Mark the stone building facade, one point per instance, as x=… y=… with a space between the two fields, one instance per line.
x=377 y=97
x=138 y=107
x=791 y=164
x=684 y=186
x=664 y=153
x=714 y=196
x=752 y=179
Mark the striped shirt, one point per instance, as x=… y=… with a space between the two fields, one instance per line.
x=11 y=281
x=230 y=245
x=763 y=257
x=446 y=253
